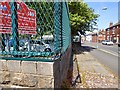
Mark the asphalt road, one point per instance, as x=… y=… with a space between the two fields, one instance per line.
x=113 y=49
x=107 y=55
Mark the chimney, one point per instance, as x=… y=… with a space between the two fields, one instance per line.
x=111 y=24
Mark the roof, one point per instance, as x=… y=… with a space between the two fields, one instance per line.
x=118 y=23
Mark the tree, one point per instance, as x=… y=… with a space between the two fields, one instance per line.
x=82 y=17
x=44 y=16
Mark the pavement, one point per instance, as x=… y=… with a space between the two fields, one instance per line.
x=88 y=72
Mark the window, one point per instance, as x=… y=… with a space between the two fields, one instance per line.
x=113 y=30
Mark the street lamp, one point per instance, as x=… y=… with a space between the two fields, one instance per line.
x=97 y=37
x=104 y=8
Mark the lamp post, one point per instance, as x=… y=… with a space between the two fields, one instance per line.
x=97 y=37
x=104 y=8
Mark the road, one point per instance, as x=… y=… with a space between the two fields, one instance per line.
x=107 y=55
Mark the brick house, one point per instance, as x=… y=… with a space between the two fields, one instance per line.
x=101 y=35
x=113 y=32
x=94 y=37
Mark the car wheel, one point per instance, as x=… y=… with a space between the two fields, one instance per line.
x=47 y=50
x=118 y=44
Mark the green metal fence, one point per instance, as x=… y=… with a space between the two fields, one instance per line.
x=34 y=30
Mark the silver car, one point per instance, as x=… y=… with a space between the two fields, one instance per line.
x=39 y=46
x=107 y=42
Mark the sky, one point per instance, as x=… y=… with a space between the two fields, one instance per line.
x=106 y=16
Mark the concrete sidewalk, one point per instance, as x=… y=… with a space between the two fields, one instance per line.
x=89 y=73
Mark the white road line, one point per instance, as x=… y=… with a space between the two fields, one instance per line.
x=109 y=52
x=105 y=51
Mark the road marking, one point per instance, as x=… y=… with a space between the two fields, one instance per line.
x=108 y=52
x=105 y=51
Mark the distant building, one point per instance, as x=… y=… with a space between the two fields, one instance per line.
x=98 y=37
x=88 y=37
x=101 y=35
x=94 y=37
x=113 y=32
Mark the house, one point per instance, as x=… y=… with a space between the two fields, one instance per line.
x=88 y=37
x=113 y=32
x=101 y=35
x=94 y=37
x=98 y=36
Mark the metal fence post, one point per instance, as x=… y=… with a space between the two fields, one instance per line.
x=14 y=25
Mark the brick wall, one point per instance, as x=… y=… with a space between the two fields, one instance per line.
x=101 y=35
x=113 y=33
x=94 y=37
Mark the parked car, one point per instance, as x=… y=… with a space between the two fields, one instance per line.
x=104 y=42
x=9 y=45
x=107 y=42
x=118 y=44
x=40 y=46
x=26 y=45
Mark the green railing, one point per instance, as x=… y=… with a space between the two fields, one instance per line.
x=34 y=30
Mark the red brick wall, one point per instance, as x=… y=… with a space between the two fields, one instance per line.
x=94 y=38
x=101 y=35
x=114 y=33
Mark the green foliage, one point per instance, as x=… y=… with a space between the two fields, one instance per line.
x=82 y=17
x=44 y=16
